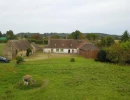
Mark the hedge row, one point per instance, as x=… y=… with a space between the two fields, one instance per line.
x=3 y=41
x=38 y=41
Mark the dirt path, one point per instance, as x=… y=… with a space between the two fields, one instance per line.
x=41 y=55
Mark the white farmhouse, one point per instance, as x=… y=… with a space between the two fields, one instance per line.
x=63 y=46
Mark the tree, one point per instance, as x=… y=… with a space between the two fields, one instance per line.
x=92 y=36
x=118 y=53
x=113 y=53
x=10 y=35
x=25 y=36
x=109 y=41
x=36 y=36
x=103 y=41
x=76 y=35
x=55 y=36
x=28 y=52
x=101 y=56
x=0 y=34
x=125 y=36
x=82 y=36
x=125 y=45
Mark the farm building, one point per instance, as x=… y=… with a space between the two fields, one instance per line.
x=89 y=50
x=82 y=47
x=15 y=48
x=63 y=46
x=35 y=47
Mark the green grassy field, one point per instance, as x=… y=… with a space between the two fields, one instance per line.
x=1 y=47
x=60 y=79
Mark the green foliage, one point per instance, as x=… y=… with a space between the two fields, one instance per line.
x=10 y=35
x=109 y=41
x=25 y=36
x=125 y=36
x=72 y=60
x=103 y=41
x=36 y=36
x=119 y=53
x=92 y=36
x=102 y=56
x=125 y=45
x=76 y=35
x=28 y=52
x=19 y=59
x=106 y=41
x=0 y=34
x=55 y=36
x=45 y=41
x=113 y=53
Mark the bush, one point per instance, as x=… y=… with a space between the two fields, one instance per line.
x=19 y=59
x=72 y=60
x=28 y=51
x=102 y=56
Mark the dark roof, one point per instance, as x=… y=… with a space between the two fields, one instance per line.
x=21 y=44
x=64 y=43
x=89 y=46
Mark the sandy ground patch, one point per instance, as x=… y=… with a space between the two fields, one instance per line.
x=41 y=55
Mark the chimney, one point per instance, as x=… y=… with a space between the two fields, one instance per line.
x=49 y=38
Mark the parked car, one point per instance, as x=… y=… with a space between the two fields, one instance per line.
x=4 y=60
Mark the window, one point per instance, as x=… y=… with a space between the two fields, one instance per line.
x=61 y=50
x=57 y=50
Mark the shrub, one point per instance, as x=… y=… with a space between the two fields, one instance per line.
x=28 y=51
x=72 y=60
x=102 y=56
x=19 y=59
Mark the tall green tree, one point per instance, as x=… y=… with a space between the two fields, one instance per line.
x=125 y=45
x=10 y=35
x=125 y=36
x=109 y=41
x=76 y=35
x=106 y=41
x=92 y=36
x=0 y=34
x=103 y=42
x=36 y=36
x=55 y=36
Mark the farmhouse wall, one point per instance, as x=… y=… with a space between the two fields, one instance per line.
x=60 y=50
x=21 y=53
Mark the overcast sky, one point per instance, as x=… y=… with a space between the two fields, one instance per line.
x=105 y=16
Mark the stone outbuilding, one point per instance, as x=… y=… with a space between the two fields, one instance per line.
x=15 y=48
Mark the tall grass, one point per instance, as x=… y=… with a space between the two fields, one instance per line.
x=60 y=79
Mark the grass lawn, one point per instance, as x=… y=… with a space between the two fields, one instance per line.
x=1 y=47
x=59 y=79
